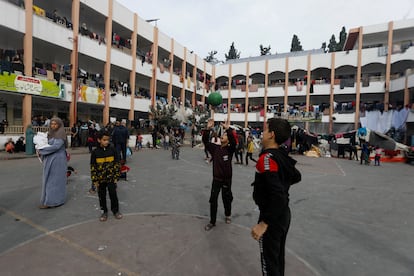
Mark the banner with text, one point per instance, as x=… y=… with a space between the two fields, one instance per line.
x=29 y=85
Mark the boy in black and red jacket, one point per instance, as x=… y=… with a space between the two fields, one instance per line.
x=221 y=156
x=105 y=173
x=275 y=172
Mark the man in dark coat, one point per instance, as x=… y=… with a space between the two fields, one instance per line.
x=120 y=137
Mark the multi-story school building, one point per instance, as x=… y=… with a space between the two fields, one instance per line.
x=96 y=59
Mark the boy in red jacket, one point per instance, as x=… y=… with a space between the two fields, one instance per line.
x=275 y=172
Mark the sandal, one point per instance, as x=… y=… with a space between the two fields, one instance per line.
x=118 y=215
x=209 y=226
x=228 y=220
x=104 y=217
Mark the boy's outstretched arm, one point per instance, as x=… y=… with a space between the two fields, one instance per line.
x=210 y=123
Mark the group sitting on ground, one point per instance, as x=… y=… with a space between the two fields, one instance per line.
x=11 y=147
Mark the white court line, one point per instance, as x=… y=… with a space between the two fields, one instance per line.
x=340 y=168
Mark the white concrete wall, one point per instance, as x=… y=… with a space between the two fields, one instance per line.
x=164 y=41
x=47 y=30
x=13 y=17
x=123 y=16
x=145 y=29
x=99 y=5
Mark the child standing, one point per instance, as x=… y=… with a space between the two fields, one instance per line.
x=222 y=171
x=378 y=152
x=166 y=140
x=365 y=151
x=105 y=172
x=175 y=145
x=138 y=142
x=250 y=150
x=239 y=149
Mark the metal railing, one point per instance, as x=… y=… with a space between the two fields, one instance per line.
x=19 y=130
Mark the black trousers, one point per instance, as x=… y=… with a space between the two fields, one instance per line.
x=121 y=149
x=226 y=195
x=249 y=155
x=272 y=246
x=112 y=196
x=239 y=154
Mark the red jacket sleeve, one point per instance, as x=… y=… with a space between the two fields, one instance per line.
x=269 y=192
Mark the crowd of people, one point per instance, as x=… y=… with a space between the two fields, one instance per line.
x=105 y=163
x=275 y=172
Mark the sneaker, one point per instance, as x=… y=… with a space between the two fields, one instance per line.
x=209 y=226
x=227 y=220
x=92 y=191
x=118 y=215
x=104 y=216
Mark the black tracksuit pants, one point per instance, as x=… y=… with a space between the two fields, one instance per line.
x=272 y=246
x=239 y=154
x=249 y=155
x=112 y=195
x=227 y=196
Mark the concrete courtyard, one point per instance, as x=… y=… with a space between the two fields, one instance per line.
x=347 y=219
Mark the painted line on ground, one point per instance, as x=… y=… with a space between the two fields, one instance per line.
x=72 y=244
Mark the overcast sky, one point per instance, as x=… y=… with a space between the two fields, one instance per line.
x=203 y=26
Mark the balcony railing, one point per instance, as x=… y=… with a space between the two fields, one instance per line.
x=18 y=130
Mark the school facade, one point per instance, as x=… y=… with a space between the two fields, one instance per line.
x=96 y=59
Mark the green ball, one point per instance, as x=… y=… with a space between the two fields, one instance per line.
x=215 y=99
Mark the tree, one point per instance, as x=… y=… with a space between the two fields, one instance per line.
x=211 y=57
x=324 y=47
x=342 y=39
x=264 y=50
x=332 y=46
x=295 y=46
x=164 y=116
x=199 y=117
x=233 y=53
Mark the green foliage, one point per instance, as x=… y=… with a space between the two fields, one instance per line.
x=332 y=46
x=233 y=53
x=295 y=46
x=324 y=47
x=342 y=39
x=164 y=116
x=199 y=117
x=264 y=50
x=211 y=57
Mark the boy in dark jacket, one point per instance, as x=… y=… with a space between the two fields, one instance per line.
x=221 y=156
x=275 y=172
x=105 y=172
